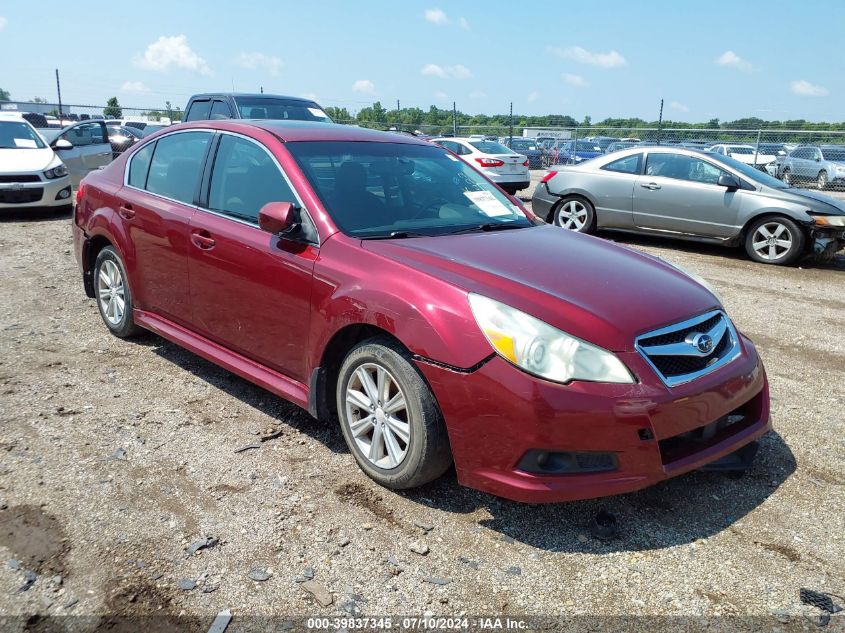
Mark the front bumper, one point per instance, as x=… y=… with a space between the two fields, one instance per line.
x=36 y=195
x=497 y=414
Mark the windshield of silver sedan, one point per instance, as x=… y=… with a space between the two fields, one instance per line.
x=384 y=190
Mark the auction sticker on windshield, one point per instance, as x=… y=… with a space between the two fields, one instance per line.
x=488 y=203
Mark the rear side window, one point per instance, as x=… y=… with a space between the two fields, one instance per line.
x=220 y=110
x=627 y=165
x=176 y=165
x=244 y=179
x=140 y=166
x=199 y=111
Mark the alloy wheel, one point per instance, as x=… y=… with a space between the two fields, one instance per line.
x=572 y=215
x=772 y=241
x=377 y=415
x=111 y=292
x=787 y=177
x=822 y=181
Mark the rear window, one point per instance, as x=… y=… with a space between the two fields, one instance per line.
x=627 y=165
x=283 y=109
x=139 y=167
x=490 y=147
x=834 y=154
x=198 y=111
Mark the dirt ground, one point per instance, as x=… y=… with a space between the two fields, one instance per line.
x=116 y=456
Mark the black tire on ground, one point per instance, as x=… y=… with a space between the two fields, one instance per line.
x=125 y=327
x=787 y=176
x=428 y=453
x=781 y=229
x=574 y=214
x=822 y=182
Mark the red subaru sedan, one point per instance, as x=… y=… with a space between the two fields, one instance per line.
x=383 y=284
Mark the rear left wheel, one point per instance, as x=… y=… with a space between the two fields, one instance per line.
x=389 y=417
x=575 y=214
x=111 y=290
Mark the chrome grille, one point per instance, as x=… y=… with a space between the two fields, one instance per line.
x=680 y=353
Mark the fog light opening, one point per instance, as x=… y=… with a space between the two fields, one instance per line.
x=566 y=463
x=64 y=194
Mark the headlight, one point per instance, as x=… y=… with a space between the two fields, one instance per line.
x=56 y=172
x=695 y=277
x=543 y=350
x=829 y=220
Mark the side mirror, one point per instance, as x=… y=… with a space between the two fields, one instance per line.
x=62 y=144
x=277 y=217
x=729 y=182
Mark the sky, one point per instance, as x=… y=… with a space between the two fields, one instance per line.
x=725 y=59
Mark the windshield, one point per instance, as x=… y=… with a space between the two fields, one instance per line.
x=490 y=147
x=748 y=171
x=275 y=108
x=19 y=135
x=834 y=154
x=738 y=149
x=378 y=189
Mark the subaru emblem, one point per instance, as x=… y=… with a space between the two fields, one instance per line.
x=702 y=342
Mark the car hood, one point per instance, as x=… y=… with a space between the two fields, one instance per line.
x=593 y=289
x=831 y=205
x=19 y=161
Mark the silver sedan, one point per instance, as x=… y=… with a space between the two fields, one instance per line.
x=692 y=195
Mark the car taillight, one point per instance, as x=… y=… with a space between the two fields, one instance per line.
x=490 y=162
x=525 y=164
x=80 y=192
x=548 y=176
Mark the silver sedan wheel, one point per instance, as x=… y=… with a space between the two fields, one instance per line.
x=772 y=241
x=377 y=415
x=111 y=293
x=572 y=215
x=822 y=182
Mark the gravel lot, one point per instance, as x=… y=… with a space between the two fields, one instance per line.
x=117 y=456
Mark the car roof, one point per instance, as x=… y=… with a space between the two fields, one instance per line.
x=292 y=131
x=236 y=95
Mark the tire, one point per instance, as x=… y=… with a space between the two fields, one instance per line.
x=789 y=241
x=787 y=177
x=574 y=214
x=426 y=453
x=110 y=288
x=822 y=182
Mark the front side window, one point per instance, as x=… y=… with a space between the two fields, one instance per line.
x=627 y=165
x=86 y=134
x=682 y=167
x=244 y=179
x=176 y=165
x=380 y=189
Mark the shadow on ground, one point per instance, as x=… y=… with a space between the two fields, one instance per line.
x=680 y=510
x=34 y=215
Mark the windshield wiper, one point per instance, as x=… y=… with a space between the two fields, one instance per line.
x=395 y=235
x=490 y=226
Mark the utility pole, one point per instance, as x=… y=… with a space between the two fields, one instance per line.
x=262 y=89
x=59 y=90
x=660 y=122
x=398 y=117
x=511 y=125
x=454 y=120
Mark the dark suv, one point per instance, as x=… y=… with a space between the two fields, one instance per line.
x=233 y=105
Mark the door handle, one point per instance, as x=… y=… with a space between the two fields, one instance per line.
x=650 y=185
x=202 y=239
x=126 y=212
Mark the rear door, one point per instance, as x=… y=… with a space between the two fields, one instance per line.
x=679 y=193
x=250 y=291
x=162 y=183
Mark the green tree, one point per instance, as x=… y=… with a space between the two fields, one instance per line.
x=113 y=108
x=339 y=115
x=4 y=95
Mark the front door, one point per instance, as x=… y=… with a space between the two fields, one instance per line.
x=680 y=193
x=250 y=291
x=91 y=149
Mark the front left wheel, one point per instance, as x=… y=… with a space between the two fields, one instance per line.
x=389 y=417
x=111 y=290
x=822 y=181
x=775 y=240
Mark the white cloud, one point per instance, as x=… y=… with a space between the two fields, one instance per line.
x=574 y=80
x=442 y=96
x=134 y=86
x=3 y=22
x=732 y=60
x=447 y=72
x=680 y=107
x=463 y=23
x=437 y=16
x=169 y=51
x=532 y=97
x=478 y=94
x=610 y=59
x=252 y=61
x=804 y=88
x=364 y=86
